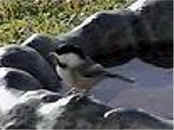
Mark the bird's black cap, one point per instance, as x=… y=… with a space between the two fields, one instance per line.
x=70 y=48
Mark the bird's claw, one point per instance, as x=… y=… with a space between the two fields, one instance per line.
x=72 y=91
x=79 y=94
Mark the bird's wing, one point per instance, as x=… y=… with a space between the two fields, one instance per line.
x=94 y=70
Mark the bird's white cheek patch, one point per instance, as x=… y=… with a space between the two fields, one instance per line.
x=70 y=59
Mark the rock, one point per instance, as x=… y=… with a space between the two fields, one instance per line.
x=73 y=113
x=24 y=114
x=29 y=60
x=21 y=116
x=114 y=38
x=155 y=37
x=142 y=30
x=13 y=78
x=13 y=84
x=42 y=43
x=134 y=119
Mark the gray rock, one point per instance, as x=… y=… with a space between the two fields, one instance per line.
x=114 y=38
x=155 y=37
x=24 y=115
x=134 y=119
x=143 y=30
x=42 y=43
x=13 y=84
x=21 y=116
x=29 y=60
x=13 y=78
x=71 y=113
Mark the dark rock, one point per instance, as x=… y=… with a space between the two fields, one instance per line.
x=24 y=114
x=21 y=116
x=64 y=113
x=13 y=84
x=42 y=43
x=13 y=78
x=155 y=37
x=114 y=38
x=29 y=60
x=69 y=113
x=134 y=119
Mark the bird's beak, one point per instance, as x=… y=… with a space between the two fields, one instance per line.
x=53 y=56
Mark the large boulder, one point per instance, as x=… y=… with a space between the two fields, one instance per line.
x=113 y=38
x=143 y=30
x=155 y=34
x=29 y=60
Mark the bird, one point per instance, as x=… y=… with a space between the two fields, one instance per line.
x=78 y=70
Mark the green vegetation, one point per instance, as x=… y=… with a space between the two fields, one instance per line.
x=21 y=18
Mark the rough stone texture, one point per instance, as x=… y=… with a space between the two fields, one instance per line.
x=111 y=38
x=42 y=43
x=114 y=38
x=13 y=78
x=156 y=47
x=24 y=114
x=29 y=60
x=71 y=113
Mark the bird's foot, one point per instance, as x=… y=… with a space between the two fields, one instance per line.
x=79 y=93
x=72 y=91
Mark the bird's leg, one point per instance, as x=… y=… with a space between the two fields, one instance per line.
x=82 y=93
x=74 y=90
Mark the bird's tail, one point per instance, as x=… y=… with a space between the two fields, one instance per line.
x=129 y=80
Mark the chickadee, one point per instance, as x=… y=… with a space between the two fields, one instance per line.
x=78 y=71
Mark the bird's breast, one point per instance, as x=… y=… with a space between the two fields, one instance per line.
x=65 y=75
x=75 y=79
